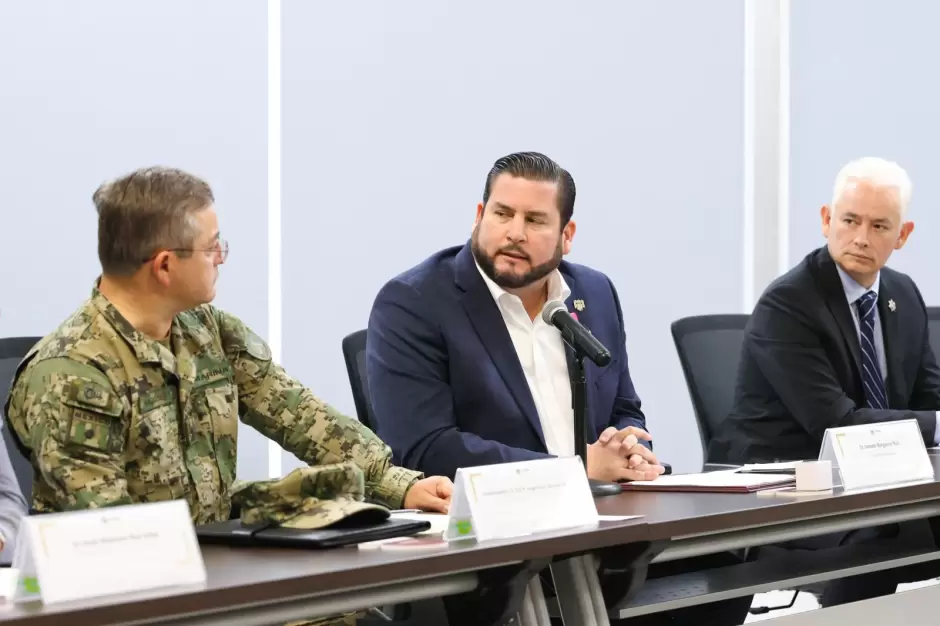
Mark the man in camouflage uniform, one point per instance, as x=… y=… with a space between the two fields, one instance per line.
x=136 y=397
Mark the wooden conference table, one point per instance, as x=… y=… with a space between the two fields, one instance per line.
x=266 y=586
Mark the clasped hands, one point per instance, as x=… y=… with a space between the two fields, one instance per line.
x=618 y=455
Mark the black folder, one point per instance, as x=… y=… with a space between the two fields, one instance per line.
x=344 y=533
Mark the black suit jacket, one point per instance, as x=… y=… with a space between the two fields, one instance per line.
x=801 y=361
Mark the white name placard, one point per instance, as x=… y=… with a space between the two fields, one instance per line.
x=514 y=499
x=97 y=552
x=874 y=455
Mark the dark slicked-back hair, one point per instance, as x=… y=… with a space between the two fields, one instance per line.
x=536 y=167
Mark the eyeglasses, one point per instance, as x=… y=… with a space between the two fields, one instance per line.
x=220 y=248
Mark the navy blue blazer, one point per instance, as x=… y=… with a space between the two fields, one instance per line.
x=446 y=385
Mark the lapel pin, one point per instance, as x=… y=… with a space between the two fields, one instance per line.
x=579 y=305
x=892 y=306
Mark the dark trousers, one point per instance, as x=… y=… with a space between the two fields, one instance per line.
x=917 y=533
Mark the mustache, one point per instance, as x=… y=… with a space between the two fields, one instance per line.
x=514 y=250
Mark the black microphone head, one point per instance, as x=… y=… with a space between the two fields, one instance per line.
x=551 y=307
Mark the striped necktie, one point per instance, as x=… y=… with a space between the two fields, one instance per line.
x=871 y=372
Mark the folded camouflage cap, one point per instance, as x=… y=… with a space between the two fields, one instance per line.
x=307 y=498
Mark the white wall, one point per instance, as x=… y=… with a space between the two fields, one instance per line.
x=863 y=84
x=394 y=112
x=91 y=90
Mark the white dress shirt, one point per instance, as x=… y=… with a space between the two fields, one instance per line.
x=541 y=352
x=854 y=291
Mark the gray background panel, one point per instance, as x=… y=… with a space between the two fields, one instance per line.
x=394 y=112
x=91 y=90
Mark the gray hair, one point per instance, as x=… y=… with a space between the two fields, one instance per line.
x=877 y=171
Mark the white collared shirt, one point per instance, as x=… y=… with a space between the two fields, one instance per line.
x=541 y=352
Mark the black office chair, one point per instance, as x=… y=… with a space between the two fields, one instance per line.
x=12 y=351
x=354 y=352
x=709 y=348
x=933 y=326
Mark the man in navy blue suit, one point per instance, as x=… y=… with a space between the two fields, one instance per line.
x=463 y=371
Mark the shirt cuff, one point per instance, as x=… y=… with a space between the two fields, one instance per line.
x=396 y=482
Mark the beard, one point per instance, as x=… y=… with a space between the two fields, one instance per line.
x=509 y=280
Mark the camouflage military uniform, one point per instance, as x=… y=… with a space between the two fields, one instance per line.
x=112 y=417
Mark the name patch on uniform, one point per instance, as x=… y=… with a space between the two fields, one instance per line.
x=90 y=429
x=93 y=417
x=210 y=373
x=156 y=399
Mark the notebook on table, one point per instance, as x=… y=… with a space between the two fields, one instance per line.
x=355 y=530
x=729 y=481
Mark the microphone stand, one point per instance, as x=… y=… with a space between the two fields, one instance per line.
x=579 y=404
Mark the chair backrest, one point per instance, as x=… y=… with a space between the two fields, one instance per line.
x=933 y=326
x=12 y=351
x=354 y=352
x=709 y=348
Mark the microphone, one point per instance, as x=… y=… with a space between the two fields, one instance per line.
x=584 y=345
x=574 y=333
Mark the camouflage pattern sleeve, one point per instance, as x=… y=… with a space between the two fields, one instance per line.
x=68 y=414
x=287 y=412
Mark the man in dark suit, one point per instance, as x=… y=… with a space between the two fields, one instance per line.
x=463 y=371
x=839 y=340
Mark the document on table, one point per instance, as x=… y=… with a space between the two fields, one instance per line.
x=438 y=520
x=729 y=481
x=431 y=539
x=769 y=468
